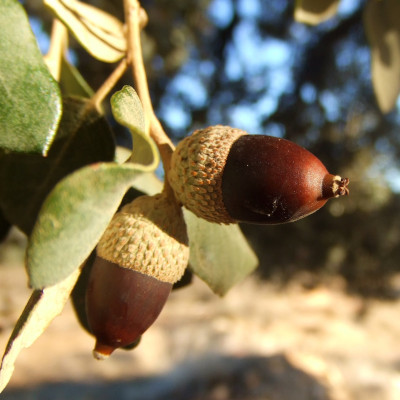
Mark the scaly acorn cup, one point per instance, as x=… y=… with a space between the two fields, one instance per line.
x=225 y=175
x=142 y=253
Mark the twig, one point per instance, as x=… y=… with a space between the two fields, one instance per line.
x=108 y=84
x=135 y=58
x=58 y=45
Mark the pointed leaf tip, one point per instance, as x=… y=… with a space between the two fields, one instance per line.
x=42 y=307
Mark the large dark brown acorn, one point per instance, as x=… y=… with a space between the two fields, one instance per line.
x=143 y=252
x=225 y=176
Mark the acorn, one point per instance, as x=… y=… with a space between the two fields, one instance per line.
x=142 y=253
x=225 y=175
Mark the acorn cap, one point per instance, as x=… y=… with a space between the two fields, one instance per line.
x=149 y=236
x=196 y=171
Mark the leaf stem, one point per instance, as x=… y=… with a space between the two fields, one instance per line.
x=135 y=58
x=58 y=45
x=108 y=84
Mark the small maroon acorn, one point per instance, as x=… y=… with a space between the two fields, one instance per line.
x=225 y=175
x=142 y=253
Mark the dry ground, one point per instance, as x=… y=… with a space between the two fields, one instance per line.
x=257 y=343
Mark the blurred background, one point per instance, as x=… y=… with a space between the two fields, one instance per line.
x=248 y=64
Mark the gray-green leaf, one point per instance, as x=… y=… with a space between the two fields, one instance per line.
x=219 y=254
x=41 y=309
x=100 y=33
x=128 y=111
x=30 y=101
x=72 y=220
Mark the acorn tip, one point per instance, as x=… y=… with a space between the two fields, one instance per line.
x=102 y=351
x=343 y=189
x=334 y=186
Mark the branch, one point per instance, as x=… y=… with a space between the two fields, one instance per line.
x=133 y=16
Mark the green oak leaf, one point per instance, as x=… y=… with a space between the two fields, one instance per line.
x=100 y=33
x=30 y=100
x=42 y=307
x=128 y=111
x=219 y=254
x=72 y=220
